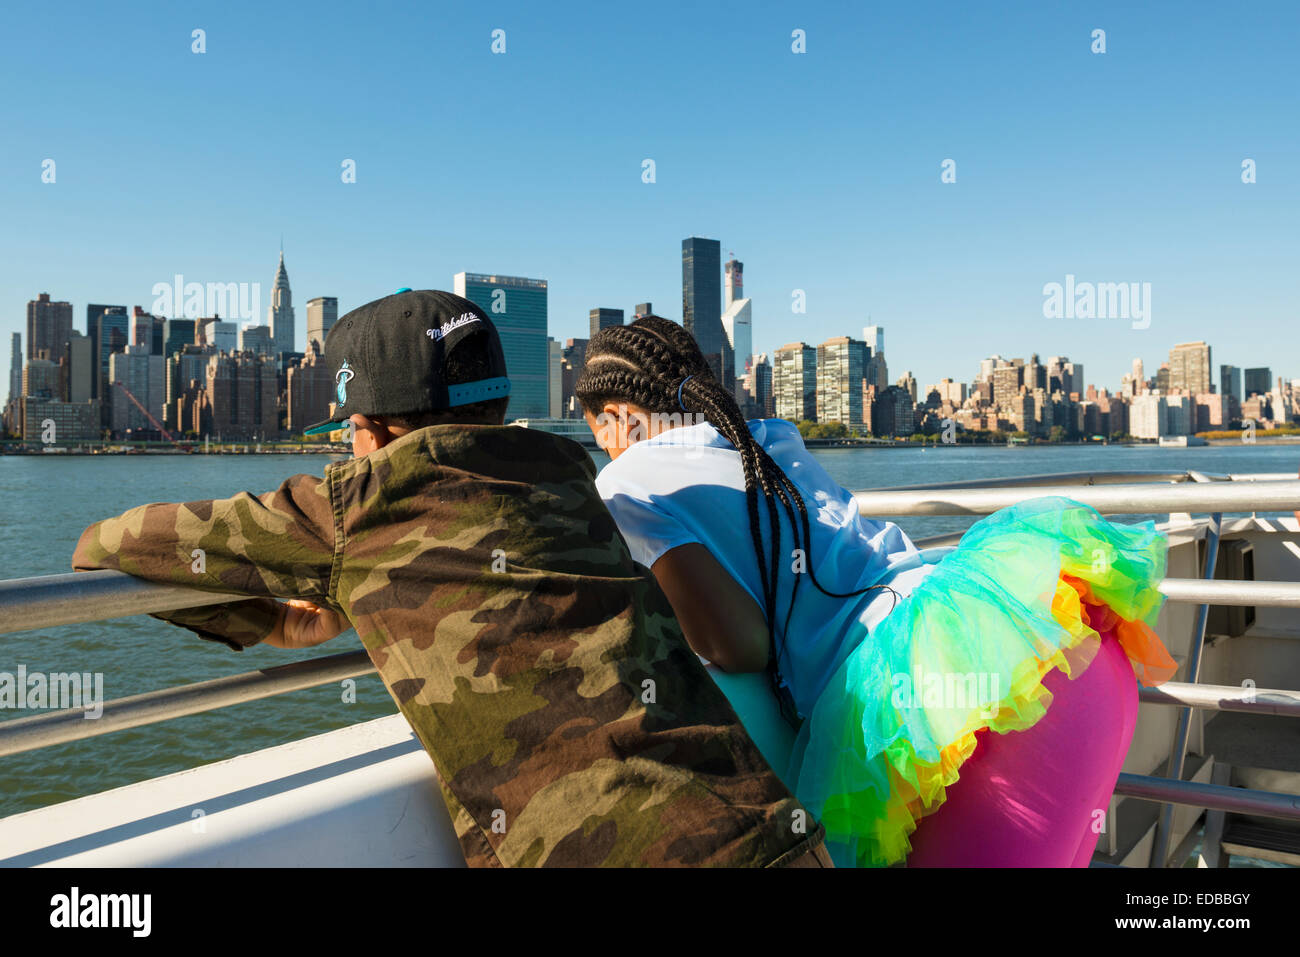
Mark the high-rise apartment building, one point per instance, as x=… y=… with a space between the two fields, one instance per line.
x=794 y=382
x=1189 y=368
x=555 y=378
x=49 y=324
x=841 y=373
x=259 y=339
x=517 y=307
x=310 y=389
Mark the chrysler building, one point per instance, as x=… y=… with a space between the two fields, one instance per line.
x=279 y=315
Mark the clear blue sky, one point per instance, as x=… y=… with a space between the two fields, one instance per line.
x=821 y=170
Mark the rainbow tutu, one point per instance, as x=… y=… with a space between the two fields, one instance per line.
x=1029 y=588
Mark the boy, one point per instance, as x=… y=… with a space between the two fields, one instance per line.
x=542 y=670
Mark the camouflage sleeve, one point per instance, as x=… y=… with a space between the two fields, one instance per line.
x=280 y=544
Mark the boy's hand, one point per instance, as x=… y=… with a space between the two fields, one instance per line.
x=302 y=624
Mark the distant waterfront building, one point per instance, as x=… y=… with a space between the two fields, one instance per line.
x=16 y=367
x=874 y=337
x=1189 y=368
x=42 y=378
x=555 y=377
x=147 y=330
x=517 y=307
x=109 y=330
x=758 y=384
x=279 y=315
x=738 y=327
x=599 y=319
x=794 y=382
x=141 y=372
x=71 y=421
x=322 y=313
x=1213 y=411
x=187 y=375
x=177 y=334
x=240 y=400
x=642 y=309
x=1180 y=411
x=702 y=303
x=1007 y=380
x=907 y=382
x=1257 y=381
x=224 y=336
x=310 y=388
x=49 y=324
x=1149 y=416
x=1230 y=381
x=841 y=367
x=78 y=370
x=258 y=339
x=572 y=358
x=893 y=411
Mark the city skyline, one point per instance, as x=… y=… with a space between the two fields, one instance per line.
x=875 y=328
x=831 y=182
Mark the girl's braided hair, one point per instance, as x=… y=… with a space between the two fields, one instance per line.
x=652 y=362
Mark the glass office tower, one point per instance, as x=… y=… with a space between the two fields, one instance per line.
x=517 y=307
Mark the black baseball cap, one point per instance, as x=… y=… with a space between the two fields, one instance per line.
x=389 y=356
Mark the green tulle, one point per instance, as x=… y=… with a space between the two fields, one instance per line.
x=968 y=649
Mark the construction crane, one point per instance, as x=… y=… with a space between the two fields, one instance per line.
x=154 y=422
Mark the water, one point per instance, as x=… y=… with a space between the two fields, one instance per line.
x=49 y=500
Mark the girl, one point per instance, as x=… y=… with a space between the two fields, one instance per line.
x=968 y=706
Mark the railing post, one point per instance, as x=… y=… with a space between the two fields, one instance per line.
x=1178 y=753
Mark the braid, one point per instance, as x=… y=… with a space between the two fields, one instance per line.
x=649 y=364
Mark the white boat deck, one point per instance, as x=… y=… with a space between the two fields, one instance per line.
x=363 y=796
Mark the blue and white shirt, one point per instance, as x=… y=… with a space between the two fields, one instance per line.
x=687 y=485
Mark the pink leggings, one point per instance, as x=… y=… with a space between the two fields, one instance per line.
x=1038 y=797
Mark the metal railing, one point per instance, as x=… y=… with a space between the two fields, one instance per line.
x=57 y=600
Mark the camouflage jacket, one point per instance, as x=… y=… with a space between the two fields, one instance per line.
x=540 y=667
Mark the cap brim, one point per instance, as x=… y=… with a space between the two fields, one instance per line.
x=329 y=425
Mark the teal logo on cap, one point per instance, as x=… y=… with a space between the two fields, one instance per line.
x=345 y=375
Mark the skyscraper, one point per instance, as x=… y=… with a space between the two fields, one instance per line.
x=555 y=378
x=794 y=382
x=109 y=331
x=177 y=334
x=603 y=318
x=733 y=281
x=322 y=313
x=16 y=367
x=137 y=369
x=1230 y=381
x=874 y=337
x=642 y=309
x=1257 y=381
x=1189 y=368
x=517 y=307
x=78 y=369
x=279 y=315
x=737 y=323
x=49 y=324
x=702 y=303
x=841 y=369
